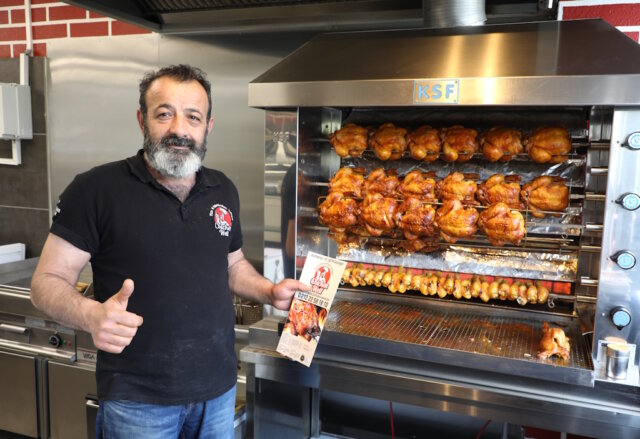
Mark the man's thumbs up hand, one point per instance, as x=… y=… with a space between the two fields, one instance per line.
x=122 y=296
x=111 y=325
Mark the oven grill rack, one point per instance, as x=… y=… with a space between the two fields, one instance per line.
x=533 y=242
x=513 y=338
x=577 y=144
x=556 y=305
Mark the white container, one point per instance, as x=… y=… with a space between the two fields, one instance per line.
x=12 y=253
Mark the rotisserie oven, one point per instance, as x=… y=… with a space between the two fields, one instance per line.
x=490 y=222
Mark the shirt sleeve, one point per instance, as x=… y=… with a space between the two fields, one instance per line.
x=74 y=219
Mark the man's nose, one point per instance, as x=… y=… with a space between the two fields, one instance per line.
x=178 y=126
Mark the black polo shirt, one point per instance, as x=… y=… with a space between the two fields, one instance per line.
x=176 y=254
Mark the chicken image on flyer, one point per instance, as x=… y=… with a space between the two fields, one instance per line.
x=309 y=309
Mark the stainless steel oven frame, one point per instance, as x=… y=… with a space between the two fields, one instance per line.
x=551 y=66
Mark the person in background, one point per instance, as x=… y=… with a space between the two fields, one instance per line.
x=163 y=236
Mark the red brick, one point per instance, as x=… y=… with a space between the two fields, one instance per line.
x=11 y=3
x=18 y=49
x=5 y=50
x=66 y=13
x=4 y=17
x=121 y=28
x=39 y=49
x=37 y=14
x=41 y=1
x=633 y=35
x=99 y=29
x=95 y=15
x=12 y=34
x=17 y=16
x=616 y=14
x=46 y=31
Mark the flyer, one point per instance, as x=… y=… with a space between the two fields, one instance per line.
x=309 y=309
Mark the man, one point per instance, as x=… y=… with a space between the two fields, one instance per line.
x=164 y=240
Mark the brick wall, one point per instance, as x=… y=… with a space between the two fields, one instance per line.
x=623 y=14
x=51 y=20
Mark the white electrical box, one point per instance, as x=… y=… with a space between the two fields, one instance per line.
x=15 y=112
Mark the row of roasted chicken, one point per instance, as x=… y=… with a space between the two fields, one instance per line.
x=544 y=193
x=432 y=284
x=452 y=220
x=453 y=144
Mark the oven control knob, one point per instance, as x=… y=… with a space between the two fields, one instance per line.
x=633 y=141
x=55 y=340
x=629 y=201
x=625 y=259
x=620 y=317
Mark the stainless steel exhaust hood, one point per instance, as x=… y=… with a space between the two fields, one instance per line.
x=585 y=62
x=234 y=16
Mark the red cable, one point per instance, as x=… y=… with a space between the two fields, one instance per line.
x=484 y=427
x=391 y=413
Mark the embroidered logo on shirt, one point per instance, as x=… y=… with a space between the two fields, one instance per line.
x=222 y=217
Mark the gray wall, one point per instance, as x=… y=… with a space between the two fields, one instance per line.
x=92 y=100
x=24 y=193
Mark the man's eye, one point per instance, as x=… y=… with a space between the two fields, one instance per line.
x=195 y=118
x=164 y=115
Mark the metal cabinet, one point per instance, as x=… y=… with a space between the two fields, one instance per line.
x=18 y=394
x=72 y=401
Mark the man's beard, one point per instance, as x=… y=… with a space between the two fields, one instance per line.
x=171 y=162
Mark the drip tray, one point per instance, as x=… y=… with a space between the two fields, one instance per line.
x=489 y=339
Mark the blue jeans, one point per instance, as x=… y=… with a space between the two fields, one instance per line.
x=121 y=419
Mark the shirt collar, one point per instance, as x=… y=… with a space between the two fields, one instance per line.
x=138 y=168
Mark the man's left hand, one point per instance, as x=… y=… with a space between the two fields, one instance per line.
x=282 y=293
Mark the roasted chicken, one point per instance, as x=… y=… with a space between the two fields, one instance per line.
x=303 y=319
x=501 y=144
x=346 y=239
x=458 y=143
x=501 y=224
x=378 y=213
x=456 y=187
x=498 y=189
x=381 y=182
x=424 y=245
x=549 y=145
x=417 y=184
x=350 y=140
x=416 y=219
x=456 y=221
x=545 y=193
x=339 y=212
x=553 y=342
x=388 y=142
x=348 y=181
x=424 y=143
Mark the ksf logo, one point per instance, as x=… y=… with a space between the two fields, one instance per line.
x=222 y=218
x=435 y=91
x=320 y=280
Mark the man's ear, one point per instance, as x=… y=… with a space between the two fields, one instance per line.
x=210 y=124
x=140 y=117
